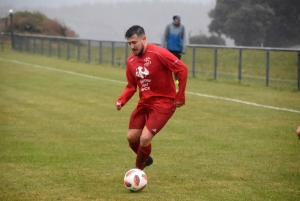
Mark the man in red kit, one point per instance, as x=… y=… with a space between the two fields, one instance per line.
x=150 y=68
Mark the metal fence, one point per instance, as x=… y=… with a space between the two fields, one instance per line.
x=279 y=66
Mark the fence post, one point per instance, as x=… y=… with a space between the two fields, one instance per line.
x=12 y=28
x=89 y=51
x=27 y=43
x=299 y=70
x=100 y=52
x=2 y=41
x=34 y=45
x=68 y=49
x=240 y=65
x=17 y=43
x=42 y=41
x=216 y=63
x=50 y=47
x=78 y=50
x=194 y=62
x=58 y=46
x=112 y=53
x=21 y=43
x=267 y=67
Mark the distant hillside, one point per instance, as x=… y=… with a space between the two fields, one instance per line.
x=35 y=23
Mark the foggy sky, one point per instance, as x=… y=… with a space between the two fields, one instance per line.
x=88 y=19
x=59 y=3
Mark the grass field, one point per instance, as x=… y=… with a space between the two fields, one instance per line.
x=61 y=137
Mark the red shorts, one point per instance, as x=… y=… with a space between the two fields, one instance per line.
x=153 y=117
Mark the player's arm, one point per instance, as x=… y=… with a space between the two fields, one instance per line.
x=181 y=71
x=128 y=92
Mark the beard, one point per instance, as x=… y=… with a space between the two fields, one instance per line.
x=141 y=51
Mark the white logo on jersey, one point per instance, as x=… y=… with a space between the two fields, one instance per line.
x=147 y=61
x=142 y=72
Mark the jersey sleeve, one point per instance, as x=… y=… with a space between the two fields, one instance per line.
x=180 y=70
x=130 y=88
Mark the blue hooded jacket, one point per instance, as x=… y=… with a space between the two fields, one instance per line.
x=175 y=38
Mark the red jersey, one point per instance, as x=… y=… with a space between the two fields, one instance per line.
x=151 y=72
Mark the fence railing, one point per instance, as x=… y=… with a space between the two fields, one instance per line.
x=240 y=63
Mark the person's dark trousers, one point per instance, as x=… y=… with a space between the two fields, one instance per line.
x=178 y=55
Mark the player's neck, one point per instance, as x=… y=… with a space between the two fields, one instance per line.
x=145 y=46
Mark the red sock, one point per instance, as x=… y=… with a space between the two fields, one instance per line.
x=142 y=156
x=135 y=146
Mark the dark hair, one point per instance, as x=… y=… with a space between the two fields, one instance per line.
x=135 y=29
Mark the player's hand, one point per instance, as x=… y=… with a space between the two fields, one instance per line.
x=118 y=105
x=298 y=132
x=179 y=104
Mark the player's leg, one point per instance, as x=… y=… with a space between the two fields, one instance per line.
x=133 y=138
x=143 y=155
x=157 y=118
x=136 y=124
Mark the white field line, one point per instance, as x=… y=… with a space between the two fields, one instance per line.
x=243 y=102
x=248 y=76
x=63 y=71
x=191 y=93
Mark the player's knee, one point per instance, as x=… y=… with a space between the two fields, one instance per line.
x=132 y=139
x=145 y=140
x=133 y=136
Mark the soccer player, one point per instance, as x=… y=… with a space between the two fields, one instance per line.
x=149 y=68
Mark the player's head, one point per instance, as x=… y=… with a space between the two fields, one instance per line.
x=136 y=39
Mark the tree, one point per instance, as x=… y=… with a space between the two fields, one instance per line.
x=285 y=29
x=252 y=22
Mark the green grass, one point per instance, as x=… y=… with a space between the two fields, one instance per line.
x=61 y=138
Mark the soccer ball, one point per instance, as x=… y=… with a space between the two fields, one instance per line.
x=135 y=179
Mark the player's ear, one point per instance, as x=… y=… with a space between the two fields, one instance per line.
x=144 y=38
